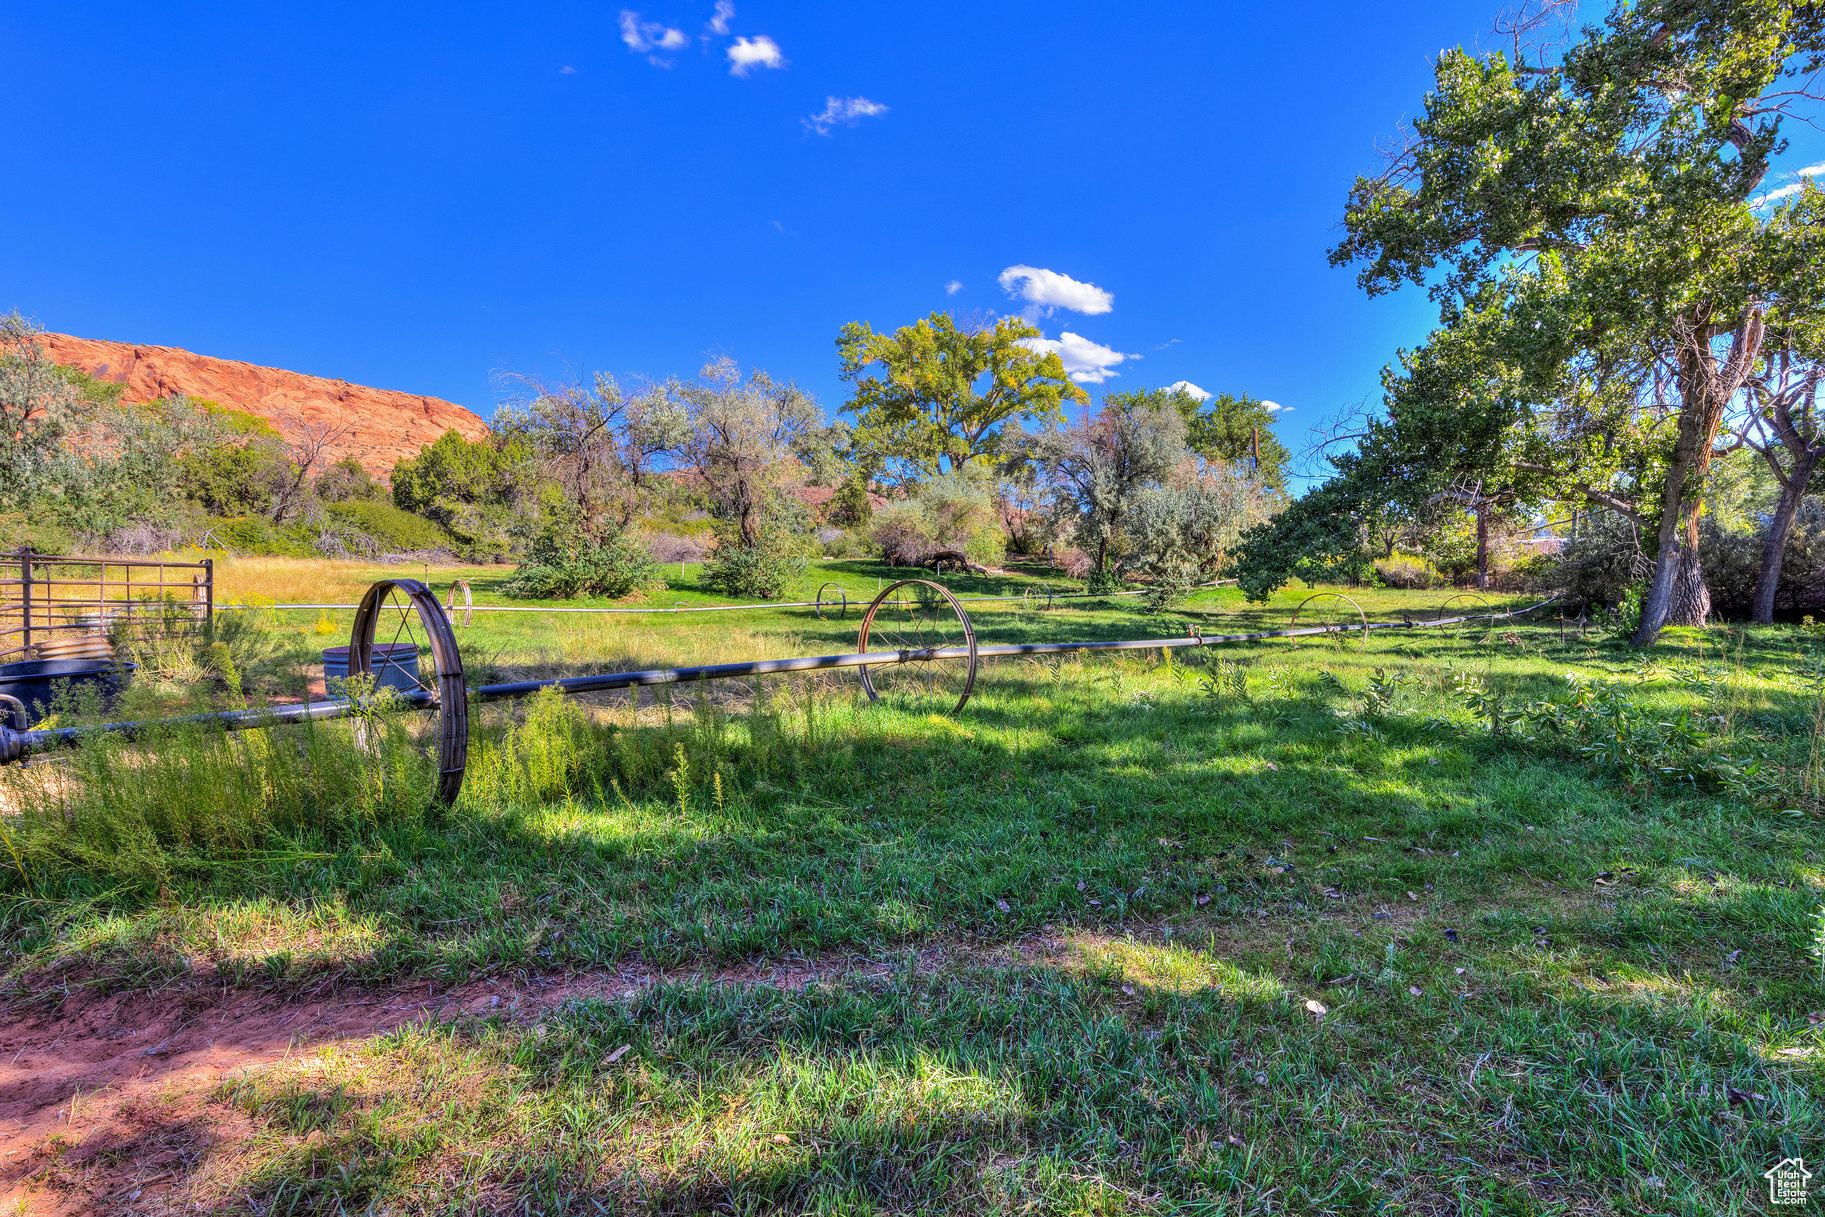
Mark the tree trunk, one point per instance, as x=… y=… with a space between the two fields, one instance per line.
x=1691 y=601
x=1705 y=390
x=1774 y=545
x=1482 y=545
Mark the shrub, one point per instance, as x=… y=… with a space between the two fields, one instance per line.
x=393 y=528
x=566 y=562
x=751 y=572
x=256 y=535
x=1409 y=572
x=950 y=516
x=1732 y=562
x=1102 y=582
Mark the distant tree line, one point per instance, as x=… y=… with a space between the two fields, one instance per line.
x=962 y=444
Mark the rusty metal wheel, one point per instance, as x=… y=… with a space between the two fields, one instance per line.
x=404 y=612
x=838 y=602
x=934 y=638
x=468 y=605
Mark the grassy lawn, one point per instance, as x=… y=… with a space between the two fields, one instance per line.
x=1351 y=928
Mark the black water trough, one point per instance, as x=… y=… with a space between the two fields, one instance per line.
x=35 y=682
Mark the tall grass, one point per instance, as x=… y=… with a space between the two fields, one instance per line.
x=117 y=814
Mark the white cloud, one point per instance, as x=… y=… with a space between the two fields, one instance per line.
x=1088 y=363
x=719 y=23
x=1047 y=289
x=953 y=287
x=842 y=112
x=645 y=37
x=1274 y=407
x=1191 y=389
x=746 y=54
x=567 y=70
x=1792 y=188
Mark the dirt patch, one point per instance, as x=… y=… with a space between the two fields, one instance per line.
x=106 y=1103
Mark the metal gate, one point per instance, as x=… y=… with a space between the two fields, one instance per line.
x=63 y=606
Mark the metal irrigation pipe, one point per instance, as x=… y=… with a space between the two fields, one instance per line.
x=408 y=600
x=1048 y=595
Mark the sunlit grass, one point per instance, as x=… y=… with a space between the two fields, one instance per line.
x=1092 y=909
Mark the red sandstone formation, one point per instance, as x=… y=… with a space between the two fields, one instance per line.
x=375 y=426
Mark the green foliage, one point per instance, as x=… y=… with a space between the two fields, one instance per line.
x=257 y=535
x=345 y=480
x=393 y=529
x=472 y=489
x=1320 y=535
x=1408 y=572
x=1588 y=220
x=232 y=471
x=1100 y=469
x=565 y=561
x=750 y=572
x=850 y=505
x=1233 y=429
x=951 y=516
x=766 y=569
x=945 y=392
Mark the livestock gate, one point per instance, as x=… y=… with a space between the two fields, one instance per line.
x=58 y=606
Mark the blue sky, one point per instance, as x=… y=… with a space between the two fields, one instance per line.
x=418 y=197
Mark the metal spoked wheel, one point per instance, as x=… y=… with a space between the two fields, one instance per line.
x=1038 y=596
x=397 y=613
x=468 y=604
x=1463 y=605
x=833 y=598
x=934 y=638
x=1335 y=616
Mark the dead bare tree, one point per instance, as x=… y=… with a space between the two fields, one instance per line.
x=303 y=453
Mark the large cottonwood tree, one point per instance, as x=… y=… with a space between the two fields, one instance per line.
x=936 y=395
x=1613 y=184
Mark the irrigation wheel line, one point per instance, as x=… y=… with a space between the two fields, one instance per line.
x=407 y=611
x=927 y=631
x=1039 y=597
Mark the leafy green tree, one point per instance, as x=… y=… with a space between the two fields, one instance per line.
x=601 y=447
x=477 y=490
x=231 y=470
x=1610 y=187
x=38 y=401
x=942 y=394
x=347 y=481
x=1100 y=467
x=1238 y=430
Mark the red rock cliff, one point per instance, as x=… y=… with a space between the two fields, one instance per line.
x=377 y=426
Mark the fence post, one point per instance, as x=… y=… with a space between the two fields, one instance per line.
x=209 y=596
x=25 y=588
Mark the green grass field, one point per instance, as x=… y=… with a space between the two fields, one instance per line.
x=1405 y=925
